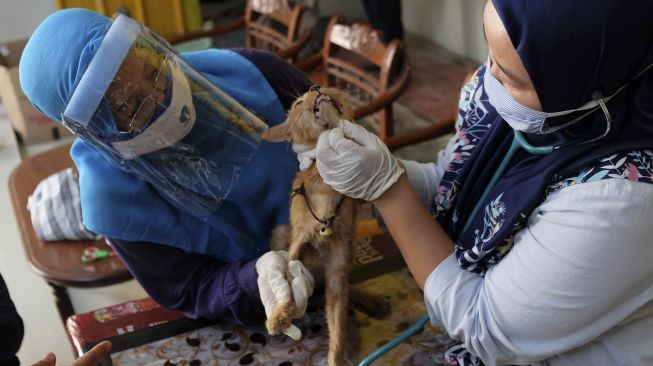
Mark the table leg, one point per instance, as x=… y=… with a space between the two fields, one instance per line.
x=64 y=305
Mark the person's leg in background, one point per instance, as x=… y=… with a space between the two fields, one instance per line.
x=385 y=15
x=11 y=328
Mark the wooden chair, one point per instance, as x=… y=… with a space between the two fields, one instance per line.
x=353 y=55
x=59 y=263
x=374 y=75
x=273 y=25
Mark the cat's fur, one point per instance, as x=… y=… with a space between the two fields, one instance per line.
x=328 y=258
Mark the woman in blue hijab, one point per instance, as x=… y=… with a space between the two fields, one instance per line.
x=201 y=263
x=538 y=245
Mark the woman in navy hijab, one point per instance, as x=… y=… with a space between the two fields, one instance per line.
x=538 y=245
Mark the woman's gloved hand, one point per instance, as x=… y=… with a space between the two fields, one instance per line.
x=275 y=288
x=356 y=162
x=305 y=155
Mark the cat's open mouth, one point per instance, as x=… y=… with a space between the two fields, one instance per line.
x=318 y=103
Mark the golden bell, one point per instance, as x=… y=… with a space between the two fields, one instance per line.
x=326 y=231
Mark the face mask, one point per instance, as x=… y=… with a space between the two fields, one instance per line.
x=527 y=120
x=170 y=127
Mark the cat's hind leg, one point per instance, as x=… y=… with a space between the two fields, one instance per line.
x=337 y=295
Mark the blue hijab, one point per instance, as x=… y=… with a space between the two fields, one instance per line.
x=119 y=205
x=570 y=49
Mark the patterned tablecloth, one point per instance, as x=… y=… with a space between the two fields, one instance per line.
x=227 y=345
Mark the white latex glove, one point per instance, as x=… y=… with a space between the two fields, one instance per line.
x=275 y=288
x=356 y=162
x=305 y=155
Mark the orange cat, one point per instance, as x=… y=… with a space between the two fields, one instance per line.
x=322 y=223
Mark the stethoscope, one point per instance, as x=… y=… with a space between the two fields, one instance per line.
x=518 y=142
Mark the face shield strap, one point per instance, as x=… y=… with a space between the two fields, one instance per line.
x=169 y=128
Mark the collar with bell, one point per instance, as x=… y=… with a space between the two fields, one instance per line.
x=325 y=229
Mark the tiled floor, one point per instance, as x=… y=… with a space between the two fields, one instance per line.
x=431 y=98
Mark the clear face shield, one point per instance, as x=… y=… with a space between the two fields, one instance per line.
x=151 y=114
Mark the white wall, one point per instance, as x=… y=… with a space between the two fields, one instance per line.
x=352 y=9
x=454 y=24
x=19 y=18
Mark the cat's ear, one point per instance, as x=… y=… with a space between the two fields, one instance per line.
x=278 y=133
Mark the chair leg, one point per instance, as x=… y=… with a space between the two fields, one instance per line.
x=64 y=305
x=386 y=123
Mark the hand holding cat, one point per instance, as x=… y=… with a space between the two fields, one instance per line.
x=305 y=155
x=356 y=162
x=275 y=288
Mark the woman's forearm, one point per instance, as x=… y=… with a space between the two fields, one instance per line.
x=420 y=238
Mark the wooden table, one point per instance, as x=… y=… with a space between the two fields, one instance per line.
x=58 y=263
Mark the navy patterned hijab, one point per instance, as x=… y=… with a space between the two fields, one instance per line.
x=571 y=49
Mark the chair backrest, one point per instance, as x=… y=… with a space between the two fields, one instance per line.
x=272 y=25
x=372 y=74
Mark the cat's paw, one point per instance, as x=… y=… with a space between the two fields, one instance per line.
x=281 y=318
